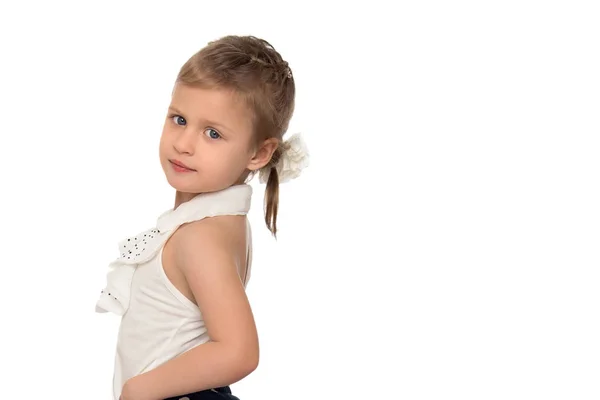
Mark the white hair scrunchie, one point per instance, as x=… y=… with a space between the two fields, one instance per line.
x=294 y=158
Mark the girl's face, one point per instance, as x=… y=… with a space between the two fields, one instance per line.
x=207 y=141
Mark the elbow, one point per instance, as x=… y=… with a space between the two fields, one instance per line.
x=254 y=364
x=246 y=361
x=242 y=355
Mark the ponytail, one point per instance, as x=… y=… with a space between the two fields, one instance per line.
x=272 y=201
x=278 y=170
x=272 y=192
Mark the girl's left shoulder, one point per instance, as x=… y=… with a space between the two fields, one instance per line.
x=218 y=236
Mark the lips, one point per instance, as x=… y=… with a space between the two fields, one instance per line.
x=181 y=165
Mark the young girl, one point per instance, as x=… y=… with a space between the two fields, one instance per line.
x=187 y=329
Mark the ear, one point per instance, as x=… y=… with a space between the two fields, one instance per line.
x=263 y=154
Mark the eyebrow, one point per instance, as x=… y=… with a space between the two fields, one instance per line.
x=213 y=123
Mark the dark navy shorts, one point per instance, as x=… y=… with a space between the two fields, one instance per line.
x=221 y=393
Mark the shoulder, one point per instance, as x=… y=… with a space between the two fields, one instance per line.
x=209 y=238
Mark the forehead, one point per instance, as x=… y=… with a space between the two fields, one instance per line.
x=220 y=106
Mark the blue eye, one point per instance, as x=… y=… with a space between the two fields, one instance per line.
x=179 y=120
x=211 y=133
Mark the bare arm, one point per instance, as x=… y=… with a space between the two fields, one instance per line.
x=205 y=254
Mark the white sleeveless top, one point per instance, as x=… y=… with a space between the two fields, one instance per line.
x=158 y=322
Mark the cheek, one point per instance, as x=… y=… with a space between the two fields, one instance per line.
x=235 y=161
x=164 y=140
x=161 y=146
x=247 y=150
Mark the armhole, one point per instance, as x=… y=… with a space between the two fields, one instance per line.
x=172 y=288
x=248 y=269
x=175 y=292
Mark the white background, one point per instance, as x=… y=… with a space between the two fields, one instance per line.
x=443 y=243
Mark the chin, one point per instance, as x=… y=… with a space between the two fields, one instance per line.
x=187 y=184
x=192 y=187
x=183 y=187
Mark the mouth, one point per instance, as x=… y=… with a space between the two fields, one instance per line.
x=179 y=166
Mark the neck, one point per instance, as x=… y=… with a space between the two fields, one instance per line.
x=182 y=197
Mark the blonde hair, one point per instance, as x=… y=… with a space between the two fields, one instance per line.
x=253 y=69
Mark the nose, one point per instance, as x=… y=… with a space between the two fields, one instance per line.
x=185 y=143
